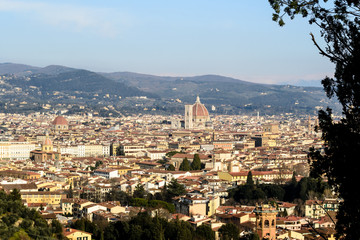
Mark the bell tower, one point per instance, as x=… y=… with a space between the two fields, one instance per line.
x=266 y=221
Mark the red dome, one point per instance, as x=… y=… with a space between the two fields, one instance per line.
x=60 y=120
x=47 y=141
x=199 y=109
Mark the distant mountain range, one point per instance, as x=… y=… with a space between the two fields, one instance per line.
x=58 y=88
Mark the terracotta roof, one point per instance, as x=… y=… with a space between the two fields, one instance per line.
x=60 y=120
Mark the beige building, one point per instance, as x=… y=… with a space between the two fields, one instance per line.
x=131 y=149
x=191 y=205
x=16 y=150
x=240 y=177
x=49 y=198
x=74 y=234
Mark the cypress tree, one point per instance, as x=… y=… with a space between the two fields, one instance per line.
x=196 y=163
x=185 y=165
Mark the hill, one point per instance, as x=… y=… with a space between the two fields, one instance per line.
x=27 y=88
x=229 y=95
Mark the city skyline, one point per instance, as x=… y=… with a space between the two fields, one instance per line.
x=236 y=39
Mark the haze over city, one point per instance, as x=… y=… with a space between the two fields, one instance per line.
x=168 y=38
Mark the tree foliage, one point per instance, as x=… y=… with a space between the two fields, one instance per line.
x=143 y=226
x=20 y=222
x=196 y=163
x=185 y=165
x=171 y=168
x=174 y=189
x=139 y=191
x=306 y=188
x=339 y=24
x=229 y=231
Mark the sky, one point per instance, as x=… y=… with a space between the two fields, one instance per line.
x=234 y=38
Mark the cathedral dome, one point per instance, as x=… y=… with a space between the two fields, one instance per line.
x=47 y=141
x=60 y=120
x=199 y=109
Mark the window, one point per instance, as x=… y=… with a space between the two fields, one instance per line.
x=266 y=223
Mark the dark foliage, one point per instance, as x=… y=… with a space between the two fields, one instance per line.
x=229 y=231
x=185 y=165
x=143 y=226
x=304 y=189
x=20 y=222
x=339 y=24
x=196 y=163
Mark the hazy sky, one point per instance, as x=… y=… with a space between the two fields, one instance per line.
x=235 y=38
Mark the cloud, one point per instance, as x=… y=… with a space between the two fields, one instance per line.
x=103 y=21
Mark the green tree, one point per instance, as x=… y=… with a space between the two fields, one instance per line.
x=57 y=229
x=229 y=231
x=139 y=191
x=14 y=195
x=249 y=179
x=204 y=232
x=171 y=168
x=339 y=25
x=172 y=153
x=174 y=189
x=185 y=165
x=98 y=164
x=254 y=236
x=196 y=163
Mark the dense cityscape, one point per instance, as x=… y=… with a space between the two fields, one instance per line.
x=220 y=175
x=184 y=120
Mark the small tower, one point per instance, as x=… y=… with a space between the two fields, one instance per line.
x=188 y=116
x=47 y=145
x=266 y=221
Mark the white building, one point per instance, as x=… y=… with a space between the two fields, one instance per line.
x=107 y=173
x=16 y=150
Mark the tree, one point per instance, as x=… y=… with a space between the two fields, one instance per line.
x=229 y=231
x=57 y=229
x=185 y=165
x=98 y=163
x=339 y=25
x=171 y=153
x=14 y=195
x=249 y=179
x=171 y=168
x=196 y=163
x=139 y=191
x=174 y=189
x=204 y=232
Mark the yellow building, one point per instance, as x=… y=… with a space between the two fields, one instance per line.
x=46 y=152
x=74 y=234
x=20 y=174
x=50 y=198
x=260 y=175
x=213 y=204
x=122 y=170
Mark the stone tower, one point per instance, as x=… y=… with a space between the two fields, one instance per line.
x=266 y=221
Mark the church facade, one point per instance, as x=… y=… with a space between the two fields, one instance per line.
x=196 y=116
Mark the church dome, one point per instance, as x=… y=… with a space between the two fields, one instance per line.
x=199 y=109
x=47 y=141
x=60 y=120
